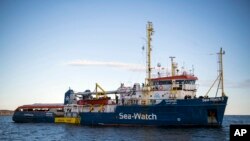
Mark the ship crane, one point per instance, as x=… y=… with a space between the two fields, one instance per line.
x=96 y=93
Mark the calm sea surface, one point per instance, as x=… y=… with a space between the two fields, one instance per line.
x=49 y=131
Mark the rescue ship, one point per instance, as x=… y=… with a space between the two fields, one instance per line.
x=162 y=100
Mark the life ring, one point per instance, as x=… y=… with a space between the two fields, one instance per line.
x=160 y=88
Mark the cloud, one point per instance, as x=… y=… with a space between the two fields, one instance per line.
x=242 y=84
x=205 y=83
x=127 y=66
x=228 y=83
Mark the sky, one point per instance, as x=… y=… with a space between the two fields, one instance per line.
x=47 y=47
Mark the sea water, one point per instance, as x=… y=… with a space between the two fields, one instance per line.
x=60 y=132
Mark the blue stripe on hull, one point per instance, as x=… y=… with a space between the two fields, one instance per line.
x=35 y=117
x=183 y=112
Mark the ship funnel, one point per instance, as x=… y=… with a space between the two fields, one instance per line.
x=69 y=97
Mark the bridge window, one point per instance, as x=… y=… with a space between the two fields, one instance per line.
x=189 y=82
x=164 y=82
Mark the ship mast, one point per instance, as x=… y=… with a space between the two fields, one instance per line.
x=172 y=65
x=221 y=53
x=220 y=77
x=150 y=32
